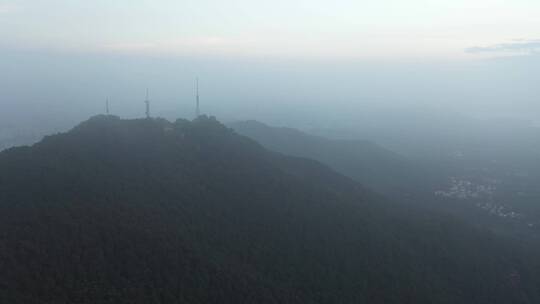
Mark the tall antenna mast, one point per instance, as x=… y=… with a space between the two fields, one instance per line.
x=147 y=102
x=107 y=106
x=197 y=109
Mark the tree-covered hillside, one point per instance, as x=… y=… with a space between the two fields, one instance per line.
x=148 y=211
x=362 y=160
x=490 y=199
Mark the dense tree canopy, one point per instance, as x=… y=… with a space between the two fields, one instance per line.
x=148 y=211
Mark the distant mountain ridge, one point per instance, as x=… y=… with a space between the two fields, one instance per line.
x=361 y=160
x=412 y=182
x=149 y=211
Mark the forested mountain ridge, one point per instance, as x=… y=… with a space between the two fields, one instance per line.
x=148 y=211
x=362 y=160
x=483 y=196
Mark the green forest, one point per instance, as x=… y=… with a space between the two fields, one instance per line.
x=152 y=211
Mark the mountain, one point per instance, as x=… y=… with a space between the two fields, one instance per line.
x=465 y=191
x=362 y=160
x=148 y=211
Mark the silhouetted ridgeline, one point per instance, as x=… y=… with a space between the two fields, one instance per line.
x=147 y=211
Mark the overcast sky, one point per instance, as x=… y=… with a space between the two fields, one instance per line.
x=472 y=54
x=341 y=29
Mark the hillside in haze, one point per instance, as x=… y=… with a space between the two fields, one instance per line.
x=486 y=196
x=148 y=211
x=362 y=160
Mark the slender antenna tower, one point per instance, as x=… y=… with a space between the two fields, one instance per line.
x=107 y=106
x=197 y=109
x=147 y=102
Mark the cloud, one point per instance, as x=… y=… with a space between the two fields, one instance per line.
x=187 y=45
x=129 y=46
x=6 y=8
x=517 y=46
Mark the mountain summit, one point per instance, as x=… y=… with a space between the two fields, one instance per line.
x=149 y=211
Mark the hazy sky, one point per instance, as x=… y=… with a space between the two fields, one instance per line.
x=287 y=57
x=297 y=28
